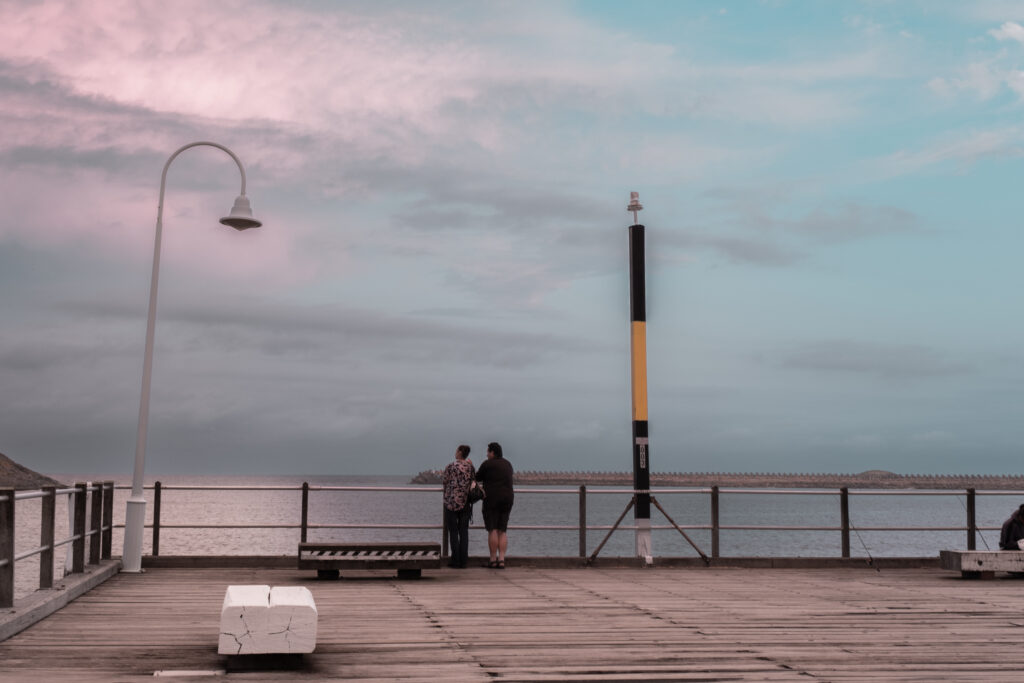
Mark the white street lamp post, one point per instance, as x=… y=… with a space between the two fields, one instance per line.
x=240 y=218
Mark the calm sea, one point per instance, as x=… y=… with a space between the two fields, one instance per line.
x=538 y=506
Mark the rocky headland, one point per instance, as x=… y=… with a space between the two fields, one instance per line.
x=15 y=476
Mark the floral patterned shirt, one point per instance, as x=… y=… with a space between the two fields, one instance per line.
x=456 y=479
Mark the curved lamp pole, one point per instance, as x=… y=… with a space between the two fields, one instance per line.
x=240 y=218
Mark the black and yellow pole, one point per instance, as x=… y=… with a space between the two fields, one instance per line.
x=638 y=353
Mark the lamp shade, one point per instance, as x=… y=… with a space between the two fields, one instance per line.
x=240 y=217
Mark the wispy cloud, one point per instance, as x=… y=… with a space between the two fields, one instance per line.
x=878 y=360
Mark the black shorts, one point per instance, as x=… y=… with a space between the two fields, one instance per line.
x=496 y=514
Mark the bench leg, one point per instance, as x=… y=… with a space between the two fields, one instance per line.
x=408 y=573
x=977 y=575
x=327 y=574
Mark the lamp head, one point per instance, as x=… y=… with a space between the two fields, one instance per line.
x=240 y=217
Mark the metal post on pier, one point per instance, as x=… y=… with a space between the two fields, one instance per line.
x=715 y=523
x=583 y=520
x=6 y=548
x=844 y=514
x=78 y=546
x=972 y=522
x=47 y=515
x=96 y=523
x=638 y=354
x=305 y=512
x=108 y=519
x=156 y=519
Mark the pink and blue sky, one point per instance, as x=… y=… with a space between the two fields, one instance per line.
x=832 y=196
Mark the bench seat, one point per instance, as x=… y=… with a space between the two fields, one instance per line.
x=328 y=559
x=982 y=564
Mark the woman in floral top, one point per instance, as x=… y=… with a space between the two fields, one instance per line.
x=456 y=480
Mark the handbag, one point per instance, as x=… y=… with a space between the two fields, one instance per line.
x=476 y=492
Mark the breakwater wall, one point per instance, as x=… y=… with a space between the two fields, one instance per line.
x=872 y=479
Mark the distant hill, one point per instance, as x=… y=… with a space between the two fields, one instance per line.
x=13 y=475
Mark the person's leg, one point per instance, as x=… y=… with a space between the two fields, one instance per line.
x=502 y=545
x=463 y=556
x=501 y=524
x=492 y=544
x=451 y=523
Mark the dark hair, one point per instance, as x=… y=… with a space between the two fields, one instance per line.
x=495 y=448
x=464 y=449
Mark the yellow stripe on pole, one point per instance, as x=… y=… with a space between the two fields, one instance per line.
x=639 y=354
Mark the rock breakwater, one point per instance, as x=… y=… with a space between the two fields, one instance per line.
x=872 y=479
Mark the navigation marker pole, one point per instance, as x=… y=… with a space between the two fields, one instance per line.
x=638 y=354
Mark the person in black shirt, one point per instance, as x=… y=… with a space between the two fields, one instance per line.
x=1013 y=530
x=496 y=476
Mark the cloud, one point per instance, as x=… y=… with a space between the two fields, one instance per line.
x=985 y=79
x=1010 y=30
x=964 y=150
x=881 y=361
x=751 y=226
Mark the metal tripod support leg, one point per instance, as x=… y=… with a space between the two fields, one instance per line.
x=688 y=539
x=632 y=502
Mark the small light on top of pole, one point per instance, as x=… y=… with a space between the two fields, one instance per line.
x=635 y=206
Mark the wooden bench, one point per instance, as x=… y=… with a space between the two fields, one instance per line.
x=982 y=564
x=408 y=558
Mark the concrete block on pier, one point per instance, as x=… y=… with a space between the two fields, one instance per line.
x=265 y=620
x=291 y=621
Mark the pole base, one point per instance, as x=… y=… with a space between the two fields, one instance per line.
x=643 y=538
x=134 y=529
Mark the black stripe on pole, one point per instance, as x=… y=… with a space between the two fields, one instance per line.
x=637 y=290
x=641 y=469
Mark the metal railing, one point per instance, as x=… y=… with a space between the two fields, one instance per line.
x=103 y=494
x=715 y=527
x=99 y=534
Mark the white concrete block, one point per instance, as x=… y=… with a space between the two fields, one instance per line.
x=243 y=619
x=264 y=620
x=291 y=621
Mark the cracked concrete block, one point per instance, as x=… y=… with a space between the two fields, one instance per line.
x=291 y=620
x=265 y=620
x=243 y=619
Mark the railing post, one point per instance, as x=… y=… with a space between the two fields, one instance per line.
x=583 y=520
x=715 y=521
x=156 y=519
x=972 y=522
x=7 y=548
x=96 y=522
x=844 y=513
x=78 y=545
x=47 y=516
x=108 y=519
x=305 y=511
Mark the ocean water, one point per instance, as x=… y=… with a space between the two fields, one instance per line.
x=420 y=506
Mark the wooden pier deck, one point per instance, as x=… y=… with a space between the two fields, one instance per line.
x=536 y=624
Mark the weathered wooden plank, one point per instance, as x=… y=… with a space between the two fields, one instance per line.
x=556 y=624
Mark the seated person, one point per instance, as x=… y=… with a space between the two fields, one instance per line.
x=1013 y=531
